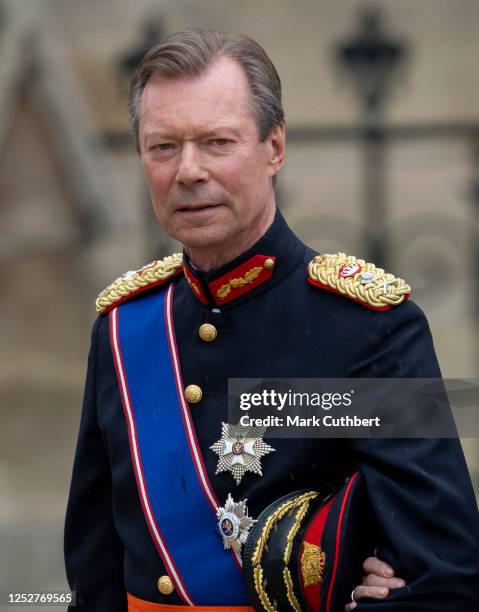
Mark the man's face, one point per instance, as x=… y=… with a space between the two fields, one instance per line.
x=209 y=175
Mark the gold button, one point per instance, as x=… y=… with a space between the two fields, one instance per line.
x=193 y=394
x=207 y=332
x=165 y=585
x=268 y=263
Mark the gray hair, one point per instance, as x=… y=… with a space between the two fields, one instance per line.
x=189 y=54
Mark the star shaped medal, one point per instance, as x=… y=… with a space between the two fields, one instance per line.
x=234 y=523
x=240 y=449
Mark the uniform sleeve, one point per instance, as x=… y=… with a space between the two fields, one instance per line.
x=420 y=490
x=93 y=552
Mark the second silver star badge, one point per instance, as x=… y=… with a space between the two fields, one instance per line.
x=234 y=523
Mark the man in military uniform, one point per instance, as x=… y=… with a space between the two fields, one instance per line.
x=157 y=510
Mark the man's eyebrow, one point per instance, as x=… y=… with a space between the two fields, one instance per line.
x=209 y=133
x=157 y=134
x=220 y=129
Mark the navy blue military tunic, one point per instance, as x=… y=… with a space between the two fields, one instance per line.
x=420 y=492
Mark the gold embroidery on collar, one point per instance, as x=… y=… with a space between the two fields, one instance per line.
x=235 y=283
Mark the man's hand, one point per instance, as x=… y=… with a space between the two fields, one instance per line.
x=377 y=582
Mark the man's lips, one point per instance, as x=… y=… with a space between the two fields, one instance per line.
x=196 y=208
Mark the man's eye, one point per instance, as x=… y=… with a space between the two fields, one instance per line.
x=220 y=141
x=161 y=147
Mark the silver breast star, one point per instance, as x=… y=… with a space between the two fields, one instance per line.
x=240 y=450
x=234 y=523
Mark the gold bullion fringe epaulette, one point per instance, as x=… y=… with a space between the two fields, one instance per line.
x=358 y=280
x=136 y=281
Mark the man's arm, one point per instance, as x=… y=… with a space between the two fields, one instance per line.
x=93 y=552
x=419 y=489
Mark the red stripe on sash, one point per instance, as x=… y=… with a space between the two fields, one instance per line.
x=137 y=465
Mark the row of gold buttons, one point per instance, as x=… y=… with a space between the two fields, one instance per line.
x=207 y=333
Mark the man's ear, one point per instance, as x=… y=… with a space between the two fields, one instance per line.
x=277 y=144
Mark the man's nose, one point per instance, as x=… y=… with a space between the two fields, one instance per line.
x=191 y=168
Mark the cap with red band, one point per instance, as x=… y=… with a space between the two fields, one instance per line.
x=308 y=548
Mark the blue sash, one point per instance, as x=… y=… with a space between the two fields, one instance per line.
x=179 y=508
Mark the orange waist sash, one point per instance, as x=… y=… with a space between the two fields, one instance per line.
x=140 y=605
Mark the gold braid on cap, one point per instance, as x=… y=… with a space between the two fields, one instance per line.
x=300 y=503
x=359 y=280
x=131 y=283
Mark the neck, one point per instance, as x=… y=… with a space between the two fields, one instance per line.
x=209 y=258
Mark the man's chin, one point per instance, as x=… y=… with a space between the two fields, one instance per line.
x=201 y=237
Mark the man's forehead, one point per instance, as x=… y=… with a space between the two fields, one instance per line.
x=224 y=75
x=219 y=97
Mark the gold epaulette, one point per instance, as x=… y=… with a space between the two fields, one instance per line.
x=136 y=281
x=359 y=280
